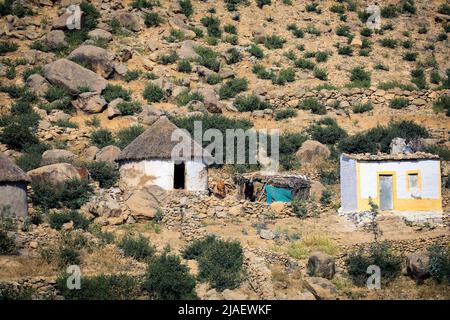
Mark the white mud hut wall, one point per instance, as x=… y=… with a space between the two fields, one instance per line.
x=161 y=173
x=360 y=181
x=349 y=184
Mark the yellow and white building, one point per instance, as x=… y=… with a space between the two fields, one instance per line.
x=399 y=182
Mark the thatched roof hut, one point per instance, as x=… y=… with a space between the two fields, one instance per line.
x=13 y=187
x=156 y=143
x=154 y=158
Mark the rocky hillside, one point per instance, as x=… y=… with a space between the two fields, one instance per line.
x=79 y=80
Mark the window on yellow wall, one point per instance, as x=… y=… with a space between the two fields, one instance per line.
x=413 y=184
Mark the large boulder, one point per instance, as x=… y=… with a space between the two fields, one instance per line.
x=418 y=266
x=321 y=288
x=144 y=203
x=100 y=34
x=210 y=100
x=37 y=84
x=187 y=50
x=90 y=102
x=72 y=76
x=113 y=108
x=55 y=39
x=57 y=156
x=321 y=265
x=97 y=58
x=55 y=175
x=108 y=154
x=312 y=151
x=129 y=20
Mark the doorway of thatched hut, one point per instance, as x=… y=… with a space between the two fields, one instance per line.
x=179 y=176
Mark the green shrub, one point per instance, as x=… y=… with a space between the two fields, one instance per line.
x=126 y=135
x=207 y=58
x=274 y=42
x=7 y=244
x=439 y=263
x=175 y=35
x=444 y=9
x=285 y=114
x=389 y=43
x=256 y=51
x=322 y=56
x=329 y=177
x=220 y=262
x=186 y=7
x=101 y=138
x=418 y=78
x=380 y=255
x=68 y=256
x=327 y=131
x=325 y=199
x=152 y=19
x=312 y=104
x=103 y=172
x=213 y=79
x=442 y=104
x=112 y=92
x=345 y=50
x=398 y=103
x=138 y=247
x=299 y=208
x=395 y=84
x=230 y=28
x=102 y=287
x=7 y=46
x=212 y=25
x=232 y=87
x=75 y=193
x=16 y=136
x=363 y=107
x=55 y=93
x=186 y=96
x=359 y=77
x=284 y=76
x=343 y=31
x=337 y=8
x=389 y=11
x=153 y=93
x=184 y=66
x=129 y=108
x=366 y=32
x=131 y=75
x=312 y=7
x=441 y=151
x=168 y=58
x=262 y=3
x=320 y=73
x=168 y=279
x=261 y=72
x=379 y=138
x=289 y=144
x=410 y=56
x=57 y=219
x=250 y=103
x=304 y=64
x=32 y=156
x=147 y=4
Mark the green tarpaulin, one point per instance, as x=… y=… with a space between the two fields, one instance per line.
x=277 y=194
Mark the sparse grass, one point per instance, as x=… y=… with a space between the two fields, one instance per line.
x=312 y=104
x=361 y=108
x=152 y=19
x=232 y=87
x=398 y=103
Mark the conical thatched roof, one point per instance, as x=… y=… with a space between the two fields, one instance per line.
x=156 y=143
x=9 y=172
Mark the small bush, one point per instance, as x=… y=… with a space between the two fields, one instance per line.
x=168 y=279
x=285 y=114
x=131 y=75
x=326 y=131
x=363 y=107
x=284 y=76
x=102 y=287
x=256 y=51
x=103 y=172
x=153 y=93
x=17 y=136
x=185 y=97
x=418 y=78
x=410 y=56
x=232 y=87
x=389 y=43
x=233 y=56
x=261 y=72
x=398 y=103
x=186 y=7
x=138 y=247
x=57 y=219
x=7 y=46
x=312 y=104
x=55 y=93
x=345 y=50
x=442 y=104
x=274 y=42
x=250 y=103
x=7 y=244
x=325 y=199
x=439 y=263
x=184 y=66
x=129 y=108
x=112 y=92
x=320 y=74
x=207 y=58
x=212 y=25
x=299 y=208
x=75 y=193
x=101 y=138
x=262 y=3
x=304 y=64
x=126 y=135
x=379 y=254
x=152 y=19
x=360 y=77
x=220 y=262
x=168 y=58
x=213 y=79
x=343 y=31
